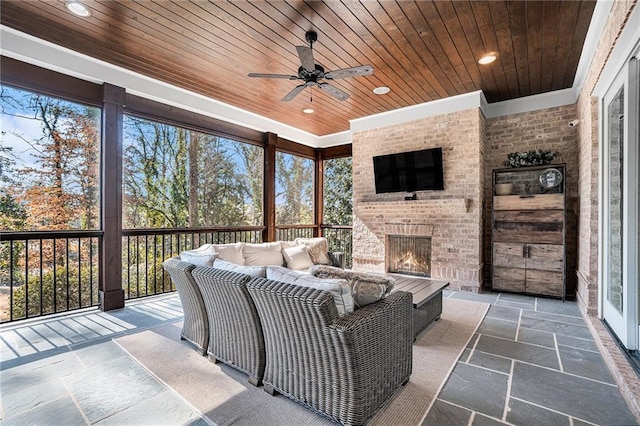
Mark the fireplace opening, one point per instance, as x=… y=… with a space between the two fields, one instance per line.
x=407 y=254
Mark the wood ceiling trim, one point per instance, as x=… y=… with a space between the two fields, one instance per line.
x=534 y=45
x=474 y=41
x=422 y=50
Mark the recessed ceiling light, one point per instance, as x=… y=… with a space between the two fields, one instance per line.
x=487 y=59
x=308 y=110
x=78 y=8
x=382 y=90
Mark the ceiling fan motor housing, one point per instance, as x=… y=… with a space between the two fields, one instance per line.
x=311 y=37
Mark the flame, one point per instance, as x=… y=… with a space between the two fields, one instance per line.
x=408 y=262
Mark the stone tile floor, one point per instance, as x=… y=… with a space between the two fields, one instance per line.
x=532 y=362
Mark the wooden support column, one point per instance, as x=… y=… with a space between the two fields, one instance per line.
x=318 y=202
x=110 y=287
x=269 y=196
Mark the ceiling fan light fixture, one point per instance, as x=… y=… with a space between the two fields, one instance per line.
x=487 y=59
x=78 y=8
x=308 y=111
x=382 y=90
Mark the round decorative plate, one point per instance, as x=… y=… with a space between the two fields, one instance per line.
x=550 y=178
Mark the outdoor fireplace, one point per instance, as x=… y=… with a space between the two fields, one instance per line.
x=407 y=254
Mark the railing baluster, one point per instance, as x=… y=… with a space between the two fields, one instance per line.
x=55 y=277
x=146 y=265
x=41 y=280
x=66 y=267
x=26 y=280
x=11 y=275
x=128 y=267
x=79 y=274
x=90 y=271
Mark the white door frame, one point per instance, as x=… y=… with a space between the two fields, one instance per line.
x=626 y=326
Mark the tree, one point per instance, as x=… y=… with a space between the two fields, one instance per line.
x=338 y=191
x=294 y=176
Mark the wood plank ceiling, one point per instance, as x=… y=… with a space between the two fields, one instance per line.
x=422 y=50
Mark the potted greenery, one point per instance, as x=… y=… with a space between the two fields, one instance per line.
x=536 y=157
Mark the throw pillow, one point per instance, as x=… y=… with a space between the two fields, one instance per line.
x=263 y=254
x=252 y=271
x=202 y=256
x=297 y=257
x=339 y=289
x=366 y=288
x=318 y=249
x=230 y=252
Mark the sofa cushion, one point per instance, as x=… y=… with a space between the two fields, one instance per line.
x=318 y=249
x=297 y=257
x=202 y=256
x=252 y=271
x=338 y=288
x=366 y=288
x=230 y=252
x=263 y=254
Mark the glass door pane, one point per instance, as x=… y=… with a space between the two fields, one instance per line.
x=615 y=130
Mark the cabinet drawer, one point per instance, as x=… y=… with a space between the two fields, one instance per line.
x=537 y=202
x=529 y=226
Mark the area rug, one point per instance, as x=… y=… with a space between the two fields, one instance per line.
x=223 y=396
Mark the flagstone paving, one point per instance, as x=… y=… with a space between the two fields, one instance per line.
x=532 y=362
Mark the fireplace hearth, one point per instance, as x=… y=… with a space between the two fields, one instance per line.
x=407 y=254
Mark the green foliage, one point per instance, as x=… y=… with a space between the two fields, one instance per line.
x=70 y=292
x=338 y=191
x=294 y=186
x=178 y=178
x=535 y=157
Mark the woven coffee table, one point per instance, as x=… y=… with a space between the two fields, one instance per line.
x=427 y=298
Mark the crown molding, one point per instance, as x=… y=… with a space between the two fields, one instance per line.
x=415 y=112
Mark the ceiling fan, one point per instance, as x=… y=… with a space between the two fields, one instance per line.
x=312 y=74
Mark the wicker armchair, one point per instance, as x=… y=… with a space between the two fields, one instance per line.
x=344 y=367
x=235 y=333
x=195 y=328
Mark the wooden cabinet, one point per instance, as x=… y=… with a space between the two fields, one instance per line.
x=528 y=232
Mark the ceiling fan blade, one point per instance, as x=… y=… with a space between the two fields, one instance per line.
x=349 y=72
x=293 y=93
x=306 y=58
x=285 y=76
x=333 y=91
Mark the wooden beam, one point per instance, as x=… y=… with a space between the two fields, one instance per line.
x=269 y=187
x=318 y=182
x=110 y=285
x=156 y=111
x=35 y=79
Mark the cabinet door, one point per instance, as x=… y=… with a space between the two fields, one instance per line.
x=508 y=267
x=524 y=226
x=545 y=269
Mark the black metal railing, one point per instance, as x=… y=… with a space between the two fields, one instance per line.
x=48 y=272
x=144 y=250
x=340 y=238
x=291 y=232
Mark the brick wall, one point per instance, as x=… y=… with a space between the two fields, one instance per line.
x=545 y=129
x=452 y=217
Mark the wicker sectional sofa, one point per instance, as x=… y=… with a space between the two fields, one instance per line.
x=298 y=334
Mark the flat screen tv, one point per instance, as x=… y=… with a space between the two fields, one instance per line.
x=409 y=171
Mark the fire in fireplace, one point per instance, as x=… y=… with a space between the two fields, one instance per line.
x=407 y=254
